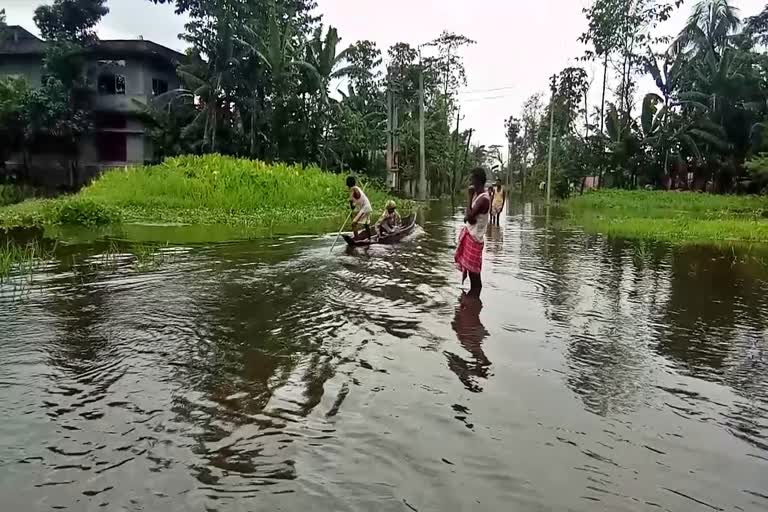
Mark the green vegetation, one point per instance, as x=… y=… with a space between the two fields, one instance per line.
x=706 y=114
x=677 y=217
x=20 y=258
x=10 y=194
x=258 y=81
x=210 y=189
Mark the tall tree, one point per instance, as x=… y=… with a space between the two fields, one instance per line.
x=710 y=26
x=72 y=21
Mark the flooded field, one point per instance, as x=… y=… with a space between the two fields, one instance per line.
x=270 y=375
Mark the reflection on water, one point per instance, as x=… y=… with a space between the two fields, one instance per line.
x=470 y=332
x=270 y=375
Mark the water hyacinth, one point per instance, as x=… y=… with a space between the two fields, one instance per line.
x=209 y=189
x=675 y=217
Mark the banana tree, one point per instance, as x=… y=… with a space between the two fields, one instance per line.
x=673 y=135
x=275 y=49
x=325 y=64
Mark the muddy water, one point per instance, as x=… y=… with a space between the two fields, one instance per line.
x=268 y=375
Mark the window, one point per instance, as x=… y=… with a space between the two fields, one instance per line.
x=159 y=87
x=111 y=122
x=109 y=83
x=119 y=63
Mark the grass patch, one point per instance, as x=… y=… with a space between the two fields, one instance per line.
x=676 y=217
x=207 y=190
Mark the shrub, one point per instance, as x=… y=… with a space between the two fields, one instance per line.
x=84 y=212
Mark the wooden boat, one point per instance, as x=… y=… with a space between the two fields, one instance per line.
x=407 y=225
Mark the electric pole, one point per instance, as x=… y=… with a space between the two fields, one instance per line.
x=456 y=151
x=422 y=152
x=551 y=138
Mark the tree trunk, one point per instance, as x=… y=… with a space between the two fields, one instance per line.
x=602 y=100
x=253 y=127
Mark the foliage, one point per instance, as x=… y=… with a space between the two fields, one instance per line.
x=264 y=90
x=18 y=258
x=707 y=118
x=677 y=217
x=72 y=21
x=84 y=211
x=14 y=96
x=11 y=194
x=208 y=189
x=758 y=170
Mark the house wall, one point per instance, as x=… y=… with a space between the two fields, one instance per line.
x=53 y=170
x=30 y=68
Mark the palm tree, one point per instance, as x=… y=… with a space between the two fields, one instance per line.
x=710 y=27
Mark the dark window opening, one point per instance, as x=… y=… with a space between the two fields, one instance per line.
x=111 y=84
x=111 y=121
x=159 y=87
x=112 y=147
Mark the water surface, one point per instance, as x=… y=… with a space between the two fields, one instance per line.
x=270 y=375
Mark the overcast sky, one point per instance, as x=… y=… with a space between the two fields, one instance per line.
x=520 y=43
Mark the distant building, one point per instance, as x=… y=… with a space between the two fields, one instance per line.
x=120 y=74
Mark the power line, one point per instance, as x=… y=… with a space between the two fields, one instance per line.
x=487 y=98
x=474 y=91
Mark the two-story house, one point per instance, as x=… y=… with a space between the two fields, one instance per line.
x=122 y=75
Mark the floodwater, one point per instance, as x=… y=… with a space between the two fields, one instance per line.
x=270 y=375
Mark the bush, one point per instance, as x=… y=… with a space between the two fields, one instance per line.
x=224 y=183
x=84 y=212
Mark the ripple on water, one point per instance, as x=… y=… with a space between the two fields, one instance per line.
x=272 y=375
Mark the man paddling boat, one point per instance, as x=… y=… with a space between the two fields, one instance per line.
x=469 y=253
x=358 y=199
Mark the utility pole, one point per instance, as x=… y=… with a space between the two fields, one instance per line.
x=390 y=130
x=551 y=139
x=454 y=177
x=422 y=152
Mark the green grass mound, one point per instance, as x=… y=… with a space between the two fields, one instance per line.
x=677 y=217
x=209 y=189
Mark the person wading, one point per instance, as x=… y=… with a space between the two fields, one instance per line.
x=498 y=200
x=357 y=198
x=469 y=253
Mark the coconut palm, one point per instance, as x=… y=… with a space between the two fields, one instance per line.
x=710 y=27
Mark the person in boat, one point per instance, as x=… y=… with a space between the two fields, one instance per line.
x=358 y=199
x=498 y=200
x=469 y=253
x=390 y=219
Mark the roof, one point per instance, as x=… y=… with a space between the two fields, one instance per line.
x=19 y=41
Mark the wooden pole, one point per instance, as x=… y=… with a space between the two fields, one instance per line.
x=551 y=140
x=422 y=150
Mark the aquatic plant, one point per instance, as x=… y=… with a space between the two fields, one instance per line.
x=20 y=258
x=676 y=217
x=210 y=189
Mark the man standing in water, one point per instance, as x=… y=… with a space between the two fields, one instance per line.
x=469 y=253
x=357 y=198
x=498 y=199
